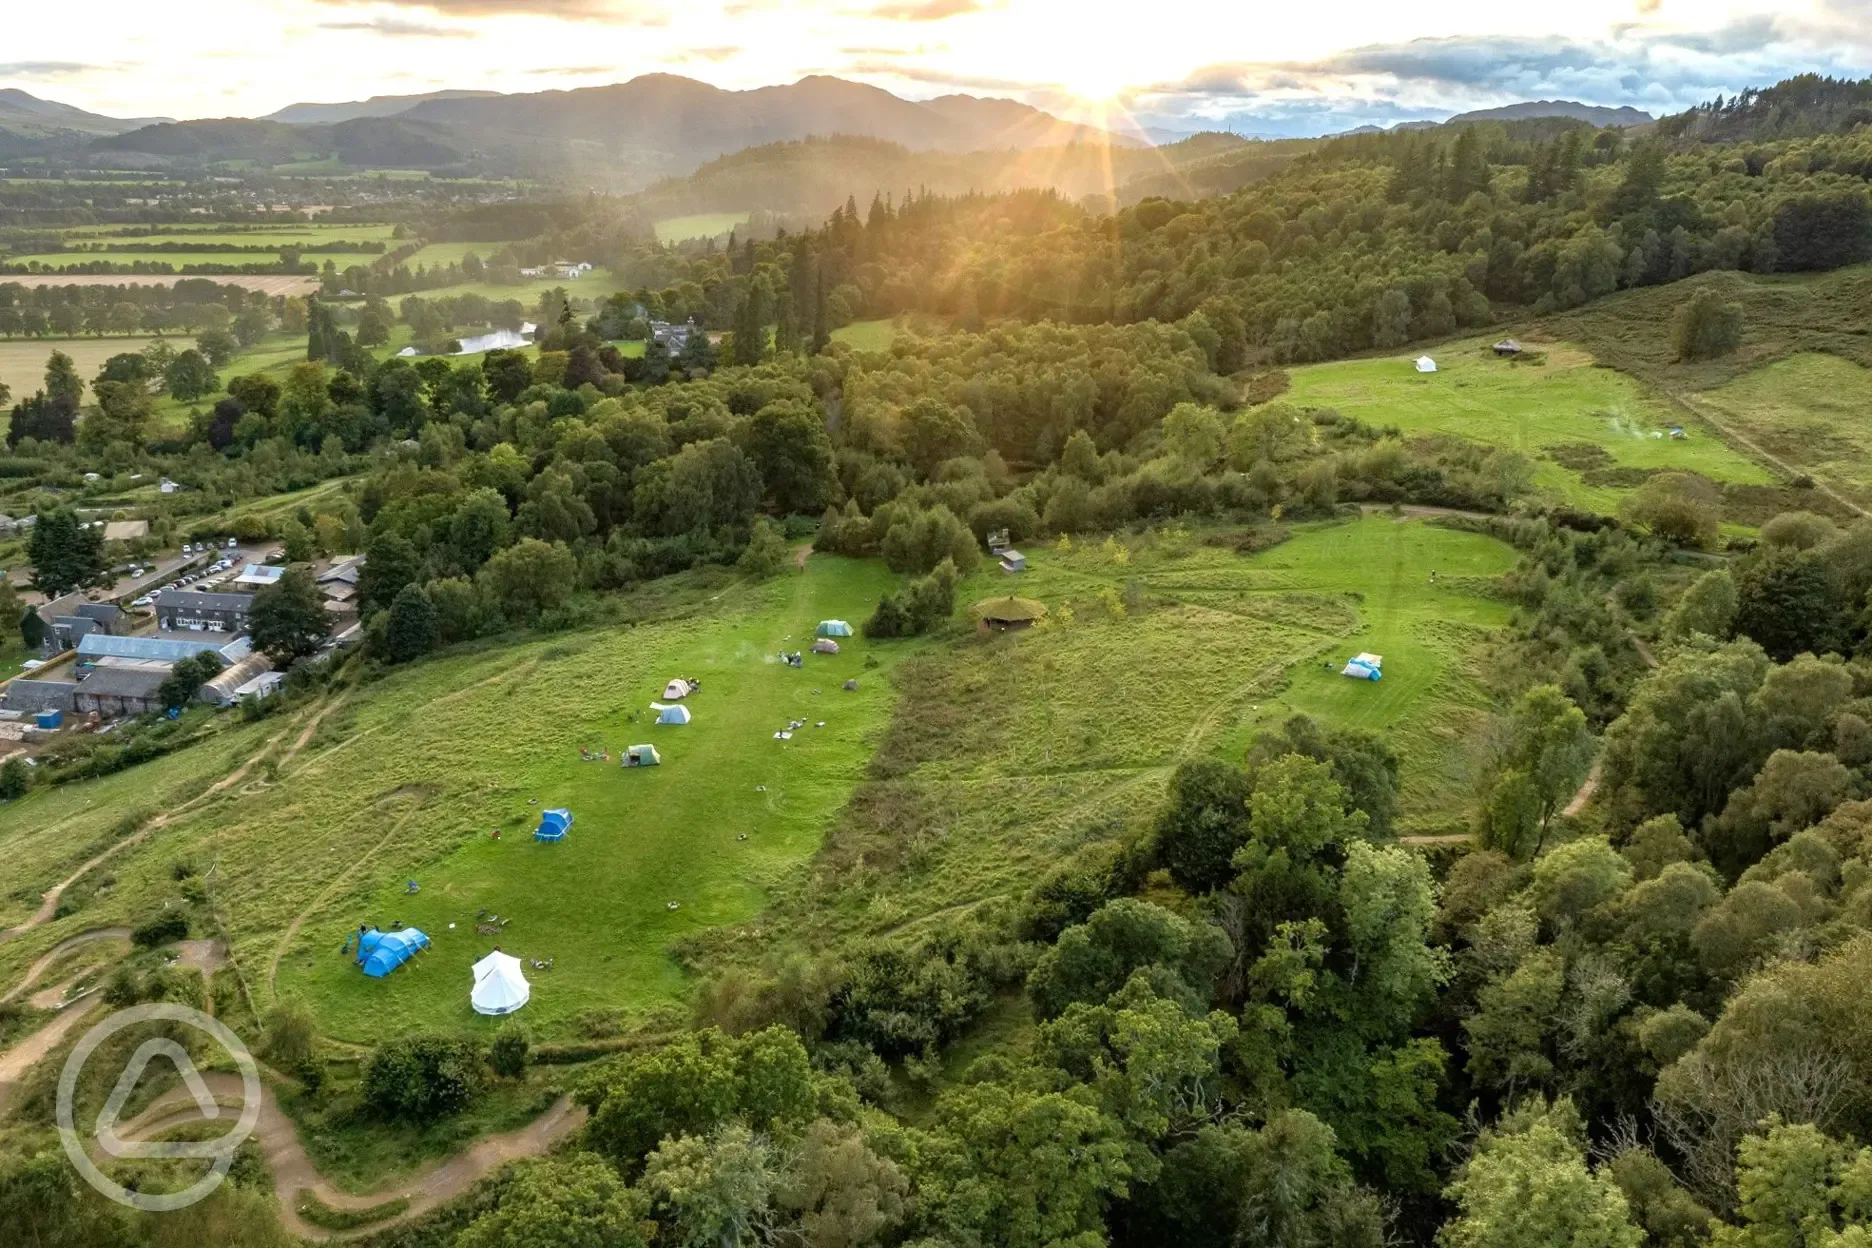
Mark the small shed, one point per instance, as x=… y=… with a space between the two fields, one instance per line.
x=1507 y=347
x=678 y=688
x=554 y=824
x=499 y=985
x=834 y=628
x=1425 y=364
x=1013 y=561
x=642 y=756
x=825 y=645
x=379 y=953
x=671 y=714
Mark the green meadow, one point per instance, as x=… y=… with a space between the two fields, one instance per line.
x=180 y=260
x=1565 y=402
x=700 y=225
x=961 y=769
x=867 y=335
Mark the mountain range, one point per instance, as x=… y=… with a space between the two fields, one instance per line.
x=621 y=137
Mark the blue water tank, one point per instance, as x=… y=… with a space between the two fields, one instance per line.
x=50 y=719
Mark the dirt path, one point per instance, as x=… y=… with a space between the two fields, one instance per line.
x=331 y=890
x=57 y=951
x=800 y=556
x=1588 y=787
x=293 y=1170
x=22 y=1057
x=48 y=903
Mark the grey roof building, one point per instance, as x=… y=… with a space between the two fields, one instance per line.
x=197 y=610
x=159 y=650
x=32 y=696
x=114 y=692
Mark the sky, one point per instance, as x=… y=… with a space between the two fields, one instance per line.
x=1254 y=66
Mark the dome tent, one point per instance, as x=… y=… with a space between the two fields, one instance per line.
x=671 y=714
x=499 y=987
x=1364 y=667
x=825 y=645
x=379 y=953
x=1425 y=364
x=834 y=628
x=554 y=824
x=678 y=688
x=642 y=756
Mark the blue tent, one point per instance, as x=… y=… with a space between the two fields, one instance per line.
x=1364 y=667
x=834 y=628
x=554 y=824
x=379 y=953
x=673 y=715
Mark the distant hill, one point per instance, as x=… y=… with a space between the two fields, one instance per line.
x=1590 y=113
x=1799 y=107
x=32 y=126
x=376 y=106
x=366 y=142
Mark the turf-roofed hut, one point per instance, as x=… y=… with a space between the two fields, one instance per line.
x=1001 y=615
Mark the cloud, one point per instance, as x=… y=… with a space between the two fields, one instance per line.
x=712 y=55
x=925 y=10
x=933 y=77
x=45 y=69
x=616 y=11
x=396 y=27
x=572 y=71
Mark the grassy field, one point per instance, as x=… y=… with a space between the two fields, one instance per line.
x=1810 y=411
x=1566 y=402
x=957 y=772
x=302 y=234
x=867 y=335
x=23 y=360
x=701 y=225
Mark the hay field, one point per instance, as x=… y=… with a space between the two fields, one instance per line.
x=1813 y=411
x=22 y=360
x=699 y=225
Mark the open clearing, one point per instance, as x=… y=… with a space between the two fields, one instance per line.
x=1810 y=410
x=1565 y=402
x=186 y=259
x=867 y=335
x=305 y=234
x=700 y=225
x=965 y=775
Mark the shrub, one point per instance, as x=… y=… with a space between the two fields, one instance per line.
x=508 y=1056
x=163 y=930
x=422 y=1078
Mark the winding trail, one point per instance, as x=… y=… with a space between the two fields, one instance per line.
x=48 y=902
x=22 y=1057
x=59 y=950
x=331 y=890
x=294 y=1172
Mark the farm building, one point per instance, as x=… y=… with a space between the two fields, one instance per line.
x=1425 y=364
x=264 y=685
x=379 y=953
x=499 y=986
x=1364 y=667
x=203 y=612
x=126 y=530
x=108 y=651
x=833 y=628
x=554 y=824
x=114 y=692
x=1507 y=347
x=1013 y=561
x=72 y=618
x=1002 y=615
x=224 y=690
x=642 y=756
x=259 y=575
x=342 y=572
x=28 y=697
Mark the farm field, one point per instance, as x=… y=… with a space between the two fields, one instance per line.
x=963 y=776
x=1566 y=402
x=310 y=232
x=268 y=283
x=23 y=360
x=181 y=259
x=700 y=225
x=594 y=286
x=1810 y=411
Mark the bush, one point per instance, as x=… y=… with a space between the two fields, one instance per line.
x=164 y=930
x=916 y=607
x=422 y=1078
x=508 y=1056
x=1706 y=327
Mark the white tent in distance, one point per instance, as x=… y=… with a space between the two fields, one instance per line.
x=499 y=987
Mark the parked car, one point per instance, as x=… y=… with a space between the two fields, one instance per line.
x=144 y=601
x=187 y=549
x=231 y=543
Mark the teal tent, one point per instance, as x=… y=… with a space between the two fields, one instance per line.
x=642 y=756
x=834 y=628
x=672 y=715
x=554 y=824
